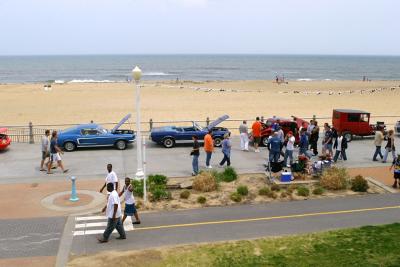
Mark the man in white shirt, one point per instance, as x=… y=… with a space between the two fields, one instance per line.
x=289 y=149
x=113 y=212
x=45 y=149
x=244 y=136
x=110 y=178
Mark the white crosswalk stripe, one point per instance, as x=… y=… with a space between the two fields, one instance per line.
x=94 y=225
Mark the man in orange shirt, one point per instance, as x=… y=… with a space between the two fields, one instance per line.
x=256 y=127
x=208 y=148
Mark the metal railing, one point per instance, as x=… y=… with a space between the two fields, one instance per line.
x=33 y=133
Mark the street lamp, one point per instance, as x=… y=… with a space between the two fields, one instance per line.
x=137 y=74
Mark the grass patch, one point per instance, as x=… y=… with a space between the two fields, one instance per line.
x=303 y=191
x=185 y=194
x=242 y=190
x=201 y=200
x=359 y=184
x=236 y=197
x=366 y=246
x=228 y=175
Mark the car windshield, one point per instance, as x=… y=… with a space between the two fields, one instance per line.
x=197 y=126
x=101 y=130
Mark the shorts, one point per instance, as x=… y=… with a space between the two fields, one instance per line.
x=55 y=157
x=257 y=139
x=130 y=209
x=397 y=175
x=45 y=155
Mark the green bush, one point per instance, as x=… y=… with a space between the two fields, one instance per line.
x=318 y=191
x=334 y=179
x=185 y=194
x=359 y=184
x=159 y=192
x=201 y=200
x=157 y=179
x=275 y=187
x=242 y=190
x=264 y=191
x=137 y=187
x=228 y=175
x=303 y=191
x=236 y=197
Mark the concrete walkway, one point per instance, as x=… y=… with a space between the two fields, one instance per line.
x=21 y=163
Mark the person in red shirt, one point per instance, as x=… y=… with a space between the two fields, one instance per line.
x=256 y=127
x=208 y=148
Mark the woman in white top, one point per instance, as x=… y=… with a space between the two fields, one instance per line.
x=130 y=208
x=289 y=148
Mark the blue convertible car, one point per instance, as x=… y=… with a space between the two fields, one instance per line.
x=94 y=135
x=168 y=136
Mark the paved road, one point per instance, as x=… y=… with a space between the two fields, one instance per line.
x=20 y=163
x=30 y=237
x=249 y=221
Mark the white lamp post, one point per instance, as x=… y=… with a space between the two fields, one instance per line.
x=137 y=74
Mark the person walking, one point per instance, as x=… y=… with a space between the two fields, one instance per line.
x=390 y=146
x=244 y=136
x=378 y=139
x=111 y=177
x=208 y=148
x=327 y=142
x=290 y=139
x=274 y=144
x=113 y=213
x=130 y=207
x=340 y=146
x=281 y=136
x=226 y=150
x=45 y=149
x=314 y=138
x=195 y=155
x=55 y=152
x=396 y=167
x=256 y=128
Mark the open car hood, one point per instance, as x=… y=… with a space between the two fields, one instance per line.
x=3 y=130
x=124 y=119
x=217 y=121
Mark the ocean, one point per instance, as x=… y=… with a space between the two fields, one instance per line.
x=116 y=68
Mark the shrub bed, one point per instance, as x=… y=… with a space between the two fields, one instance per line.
x=359 y=184
x=205 y=182
x=334 y=179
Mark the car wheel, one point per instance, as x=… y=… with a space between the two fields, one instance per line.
x=69 y=146
x=348 y=136
x=264 y=141
x=168 y=142
x=120 y=145
x=217 y=141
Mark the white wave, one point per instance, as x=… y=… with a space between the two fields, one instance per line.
x=90 y=81
x=59 y=81
x=304 y=80
x=156 y=74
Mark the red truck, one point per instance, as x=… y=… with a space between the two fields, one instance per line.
x=5 y=140
x=352 y=122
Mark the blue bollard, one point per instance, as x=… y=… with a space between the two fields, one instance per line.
x=74 y=197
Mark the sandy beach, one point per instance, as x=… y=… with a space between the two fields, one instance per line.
x=165 y=101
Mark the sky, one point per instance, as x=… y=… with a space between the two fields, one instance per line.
x=58 y=27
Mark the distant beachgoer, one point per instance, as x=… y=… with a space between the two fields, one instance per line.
x=256 y=127
x=378 y=140
x=45 y=149
x=208 y=148
x=289 y=149
x=130 y=207
x=111 y=177
x=195 y=155
x=396 y=167
x=341 y=146
x=390 y=146
x=113 y=213
x=244 y=136
x=226 y=150
x=276 y=79
x=314 y=138
x=55 y=152
x=274 y=145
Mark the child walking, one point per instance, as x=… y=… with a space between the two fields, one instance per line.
x=396 y=167
x=130 y=208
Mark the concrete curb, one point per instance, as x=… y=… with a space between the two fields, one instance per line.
x=65 y=243
x=381 y=185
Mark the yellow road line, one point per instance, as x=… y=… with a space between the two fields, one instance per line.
x=266 y=218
